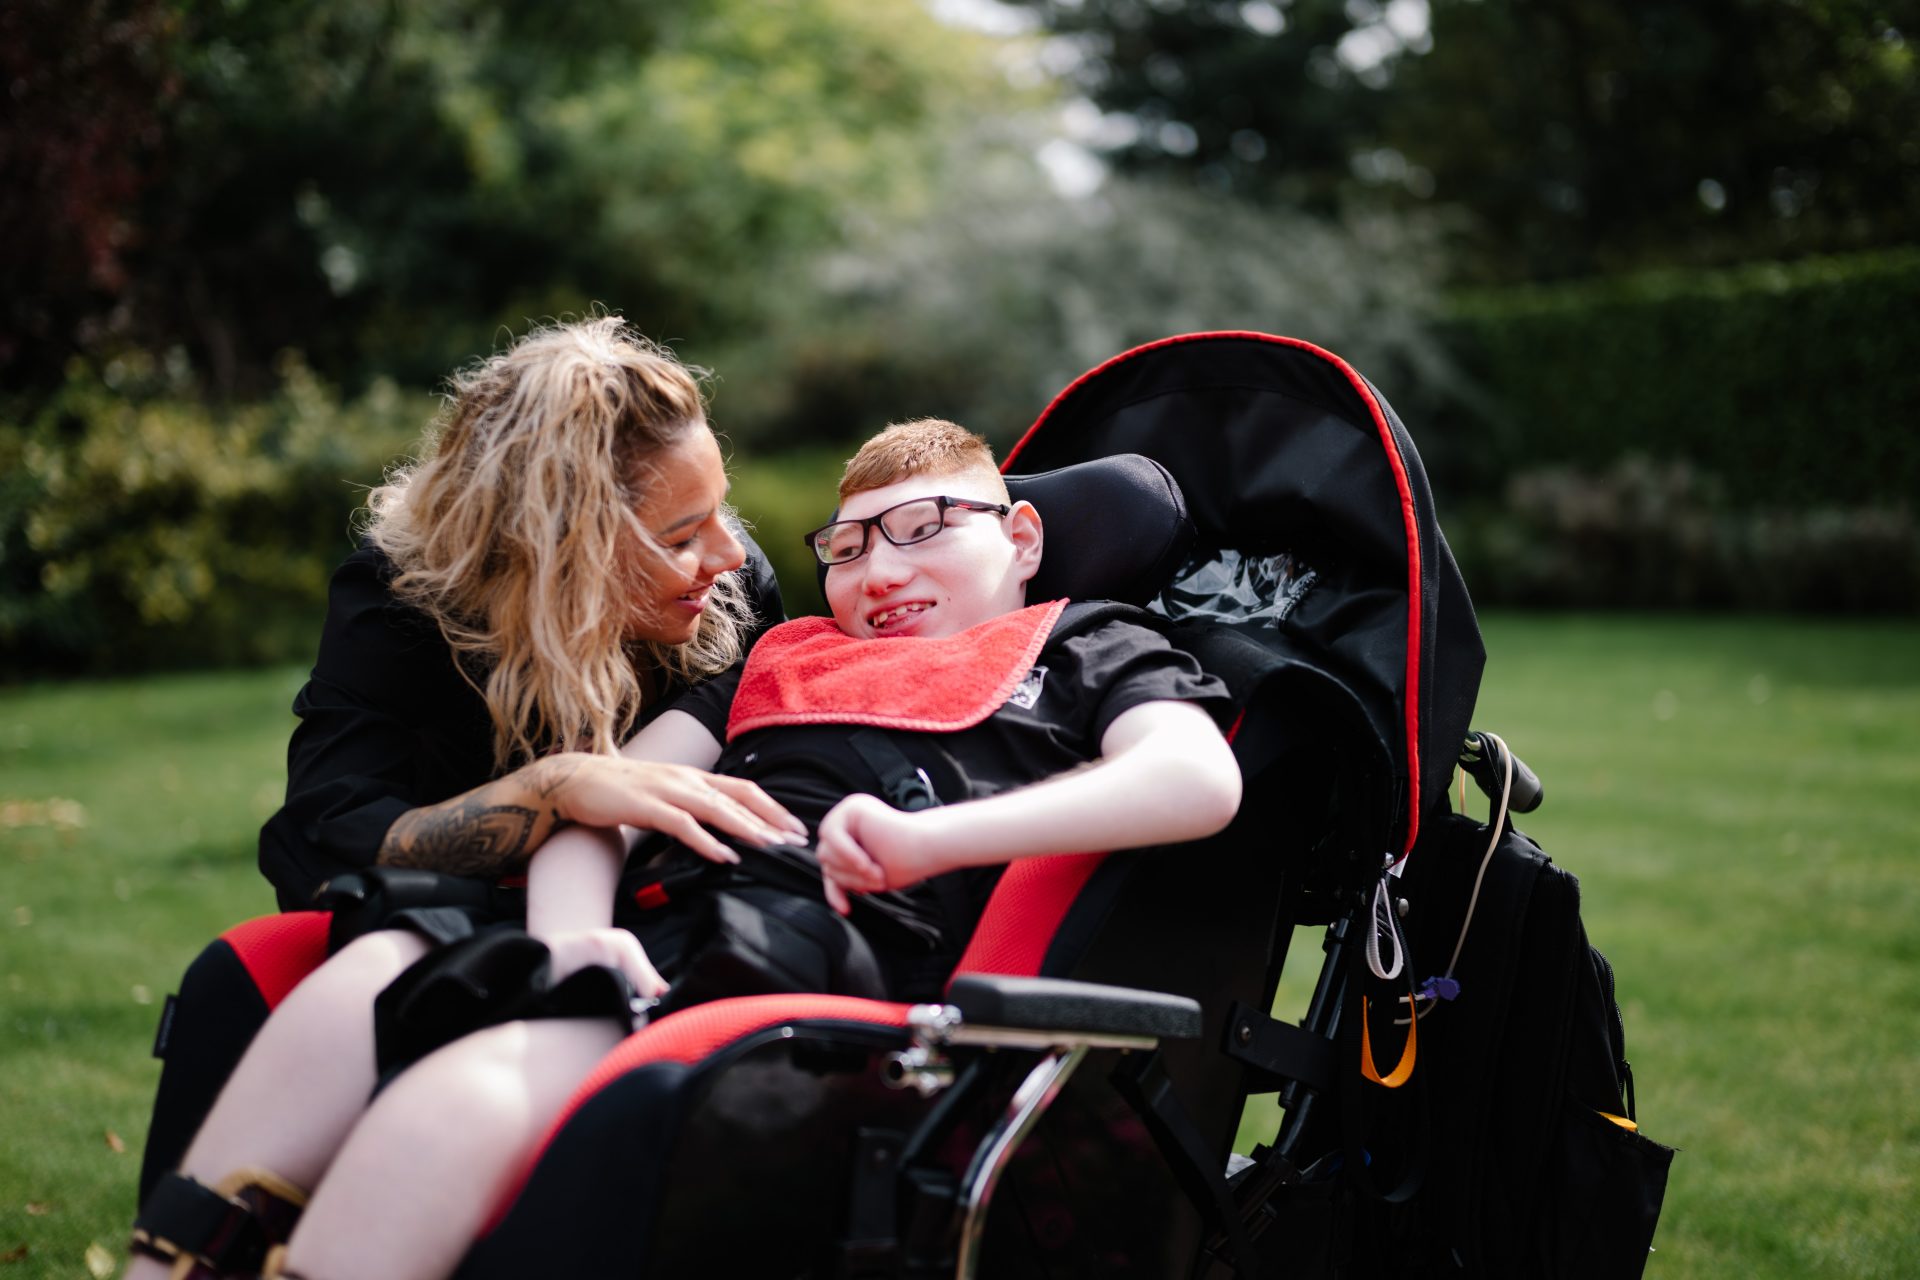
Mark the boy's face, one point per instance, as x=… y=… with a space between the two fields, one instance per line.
x=974 y=569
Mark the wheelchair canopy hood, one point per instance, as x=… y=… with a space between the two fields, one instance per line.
x=1314 y=532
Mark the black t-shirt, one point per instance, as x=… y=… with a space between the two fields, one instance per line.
x=388 y=723
x=1081 y=683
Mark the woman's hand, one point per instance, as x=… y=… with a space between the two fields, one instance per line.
x=615 y=948
x=493 y=829
x=611 y=791
x=868 y=846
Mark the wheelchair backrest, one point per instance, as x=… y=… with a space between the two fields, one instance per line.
x=1317 y=565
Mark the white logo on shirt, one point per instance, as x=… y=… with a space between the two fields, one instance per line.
x=1029 y=691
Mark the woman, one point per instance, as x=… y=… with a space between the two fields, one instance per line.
x=555 y=571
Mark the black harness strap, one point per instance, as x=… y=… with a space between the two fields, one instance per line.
x=902 y=785
x=1279 y=1051
x=906 y=786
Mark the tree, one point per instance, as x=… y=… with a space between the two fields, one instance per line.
x=1251 y=98
x=1580 y=136
x=386 y=185
x=1589 y=138
x=79 y=142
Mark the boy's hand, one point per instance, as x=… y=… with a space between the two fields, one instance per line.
x=615 y=948
x=868 y=846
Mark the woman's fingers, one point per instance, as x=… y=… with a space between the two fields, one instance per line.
x=727 y=803
x=714 y=806
x=765 y=807
x=684 y=827
x=677 y=799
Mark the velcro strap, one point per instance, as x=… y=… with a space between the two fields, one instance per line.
x=185 y=1217
x=1280 y=1051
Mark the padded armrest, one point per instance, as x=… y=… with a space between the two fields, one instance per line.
x=1055 y=1004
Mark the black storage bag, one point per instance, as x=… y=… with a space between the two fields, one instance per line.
x=1521 y=1172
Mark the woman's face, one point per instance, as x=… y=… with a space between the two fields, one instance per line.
x=687 y=484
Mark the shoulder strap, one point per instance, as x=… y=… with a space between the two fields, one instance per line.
x=905 y=785
x=902 y=784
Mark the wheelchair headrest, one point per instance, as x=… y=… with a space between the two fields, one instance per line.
x=1116 y=529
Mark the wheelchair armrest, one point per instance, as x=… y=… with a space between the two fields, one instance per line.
x=1072 y=1008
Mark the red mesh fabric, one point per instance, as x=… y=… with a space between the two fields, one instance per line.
x=278 y=951
x=1024 y=912
x=693 y=1034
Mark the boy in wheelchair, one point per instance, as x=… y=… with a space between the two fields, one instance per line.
x=1009 y=731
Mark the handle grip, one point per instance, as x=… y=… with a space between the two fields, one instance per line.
x=1485 y=757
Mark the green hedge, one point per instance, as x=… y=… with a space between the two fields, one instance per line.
x=1797 y=384
x=141 y=529
x=1659 y=535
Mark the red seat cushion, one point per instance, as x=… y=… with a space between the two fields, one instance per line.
x=279 y=951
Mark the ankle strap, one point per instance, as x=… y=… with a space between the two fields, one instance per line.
x=224 y=1230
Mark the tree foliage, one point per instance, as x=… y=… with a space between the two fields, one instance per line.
x=1579 y=136
x=79 y=140
x=385 y=185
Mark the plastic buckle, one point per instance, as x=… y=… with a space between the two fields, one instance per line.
x=913 y=794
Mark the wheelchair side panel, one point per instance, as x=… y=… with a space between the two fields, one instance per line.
x=225 y=997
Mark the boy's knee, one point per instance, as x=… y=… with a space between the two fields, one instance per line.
x=470 y=1092
x=510 y=1072
x=367 y=964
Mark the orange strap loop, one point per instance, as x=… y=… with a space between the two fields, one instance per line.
x=1402 y=1072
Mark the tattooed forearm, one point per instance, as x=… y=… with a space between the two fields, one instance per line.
x=465 y=837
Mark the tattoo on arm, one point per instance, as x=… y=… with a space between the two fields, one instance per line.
x=467 y=837
x=546 y=777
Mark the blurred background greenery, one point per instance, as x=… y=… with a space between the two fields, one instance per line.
x=1640 y=275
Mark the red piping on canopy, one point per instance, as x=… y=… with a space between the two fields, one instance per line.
x=1408 y=521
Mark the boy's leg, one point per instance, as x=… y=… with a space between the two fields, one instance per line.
x=305 y=1079
x=411 y=1189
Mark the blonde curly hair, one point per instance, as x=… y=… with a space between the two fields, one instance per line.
x=517 y=532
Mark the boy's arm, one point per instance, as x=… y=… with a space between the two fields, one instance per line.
x=674 y=737
x=1164 y=775
x=571 y=880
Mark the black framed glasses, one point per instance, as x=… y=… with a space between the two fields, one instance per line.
x=844 y=541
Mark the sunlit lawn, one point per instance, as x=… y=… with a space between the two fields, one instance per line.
x=1740 y=797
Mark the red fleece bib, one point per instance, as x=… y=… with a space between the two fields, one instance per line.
x=807 y=672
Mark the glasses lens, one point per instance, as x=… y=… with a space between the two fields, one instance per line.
x=912 y=522
x=839 y=543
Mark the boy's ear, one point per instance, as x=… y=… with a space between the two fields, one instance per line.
x=1029 y=539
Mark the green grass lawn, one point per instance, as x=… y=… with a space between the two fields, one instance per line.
x=1740 y=797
